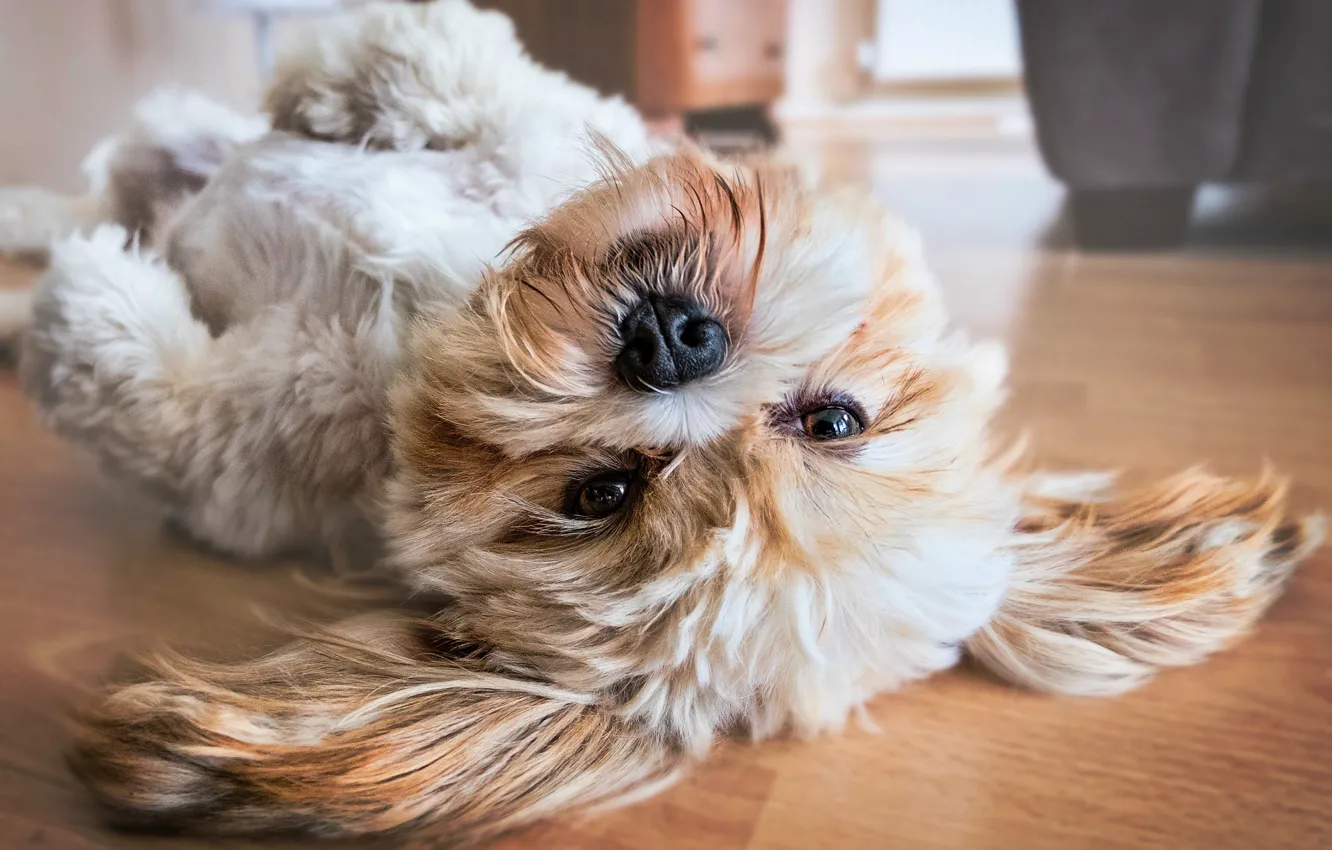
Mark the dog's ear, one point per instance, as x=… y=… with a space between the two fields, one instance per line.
x=1108 y=589
x=378 y=724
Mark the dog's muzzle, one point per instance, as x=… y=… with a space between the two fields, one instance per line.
x=669 y=341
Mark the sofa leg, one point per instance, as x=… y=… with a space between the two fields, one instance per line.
x=1131 y=219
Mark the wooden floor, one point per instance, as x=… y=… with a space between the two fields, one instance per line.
x=1221 y=353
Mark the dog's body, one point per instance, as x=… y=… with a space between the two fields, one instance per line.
x=700 y=455
x=267 y=337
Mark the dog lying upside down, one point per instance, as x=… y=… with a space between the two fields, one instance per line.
x=695 y=454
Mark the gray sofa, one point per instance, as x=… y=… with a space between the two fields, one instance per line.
x=1137 y=102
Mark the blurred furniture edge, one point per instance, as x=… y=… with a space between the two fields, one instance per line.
x=262 y=13
x=682 y=63
x=1137 y=102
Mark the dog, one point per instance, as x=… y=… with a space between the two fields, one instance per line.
x=684 y=448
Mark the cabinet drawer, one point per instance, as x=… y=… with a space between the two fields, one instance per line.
x=735 y=51
x=667 y=56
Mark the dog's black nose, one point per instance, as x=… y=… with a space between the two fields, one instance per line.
x=669 y=341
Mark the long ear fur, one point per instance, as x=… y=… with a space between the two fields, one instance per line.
x=1107 y=590
x=362 y=729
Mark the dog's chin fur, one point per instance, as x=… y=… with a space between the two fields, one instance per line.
x=754 y=580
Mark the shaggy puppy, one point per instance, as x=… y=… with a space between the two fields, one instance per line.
x=698 y=455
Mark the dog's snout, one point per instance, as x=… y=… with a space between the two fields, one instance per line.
x=669 y=341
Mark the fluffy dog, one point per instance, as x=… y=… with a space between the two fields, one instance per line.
x=697 y=455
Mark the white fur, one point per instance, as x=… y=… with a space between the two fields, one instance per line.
x=244 y=380
x=172 y=134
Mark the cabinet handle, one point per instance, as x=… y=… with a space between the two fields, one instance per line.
x=707 y=43
x=774 y=50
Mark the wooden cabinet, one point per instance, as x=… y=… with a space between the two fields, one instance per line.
x=668 y=57
x=735 y=52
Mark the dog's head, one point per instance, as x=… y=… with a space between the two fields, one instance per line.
x=701 y=370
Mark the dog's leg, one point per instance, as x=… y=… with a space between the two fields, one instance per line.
x=1108 y=589
x=400 y=77
x=443 y=75
x=174 y=144
x=362 y=729
x=253 y=438
x=139 y=179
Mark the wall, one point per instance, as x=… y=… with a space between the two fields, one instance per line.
x=822 y=43
x=945 y=40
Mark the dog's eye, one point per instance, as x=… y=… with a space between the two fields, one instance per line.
x=833 y=422
x=602 y=495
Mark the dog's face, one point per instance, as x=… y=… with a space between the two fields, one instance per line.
x=700 y=373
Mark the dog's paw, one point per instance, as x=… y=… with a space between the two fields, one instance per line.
x=104 y=316
x=103 y=284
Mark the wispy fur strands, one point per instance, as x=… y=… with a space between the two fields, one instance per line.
x=367 y=728
x=1108 y=588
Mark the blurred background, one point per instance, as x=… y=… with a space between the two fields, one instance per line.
x=1134 y=106
x=1133 y=194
